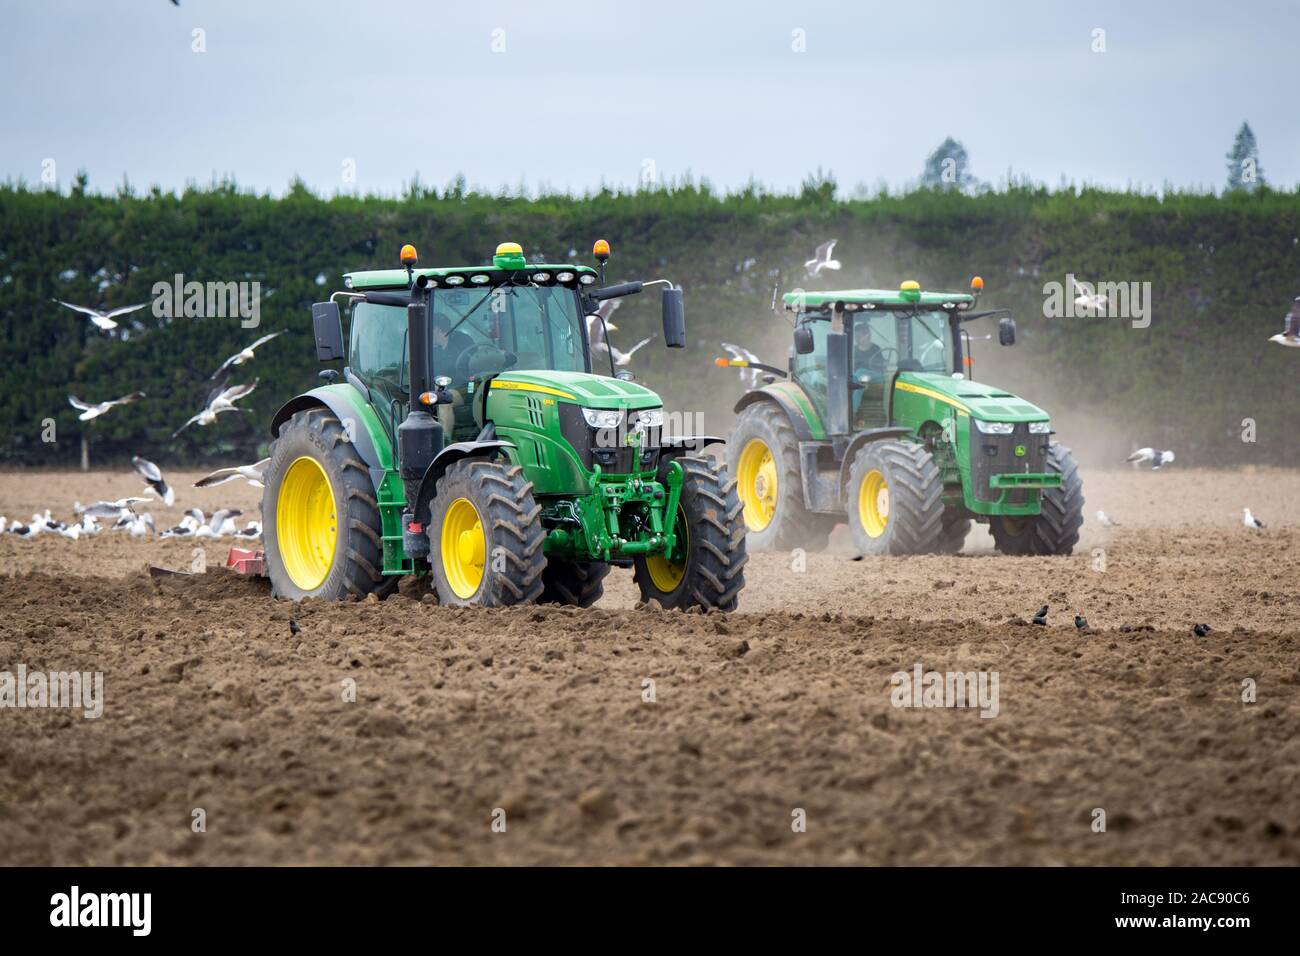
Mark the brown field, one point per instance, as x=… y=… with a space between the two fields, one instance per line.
x=212 y=703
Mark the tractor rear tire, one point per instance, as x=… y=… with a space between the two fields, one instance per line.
x=1056 y=529
x=894 y=499
x=709 y=515
x=485 y=536
x=763 y=454
x=953 y=536
x=316 y=478
x=576 y=583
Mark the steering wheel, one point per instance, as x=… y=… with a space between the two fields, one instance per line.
x=491 y=358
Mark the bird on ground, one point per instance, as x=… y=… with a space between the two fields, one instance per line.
x=90 y=412
x=3 y=522
x=1041 y=617
x=1200 y=630
x=103 y=319
x=141 y=525
x=250 y=473
x=1290 y=334
x=244 y=355
x=221 y=524
x=1106 y=521
x=190 y=523
x=748 y=375
x=1250 y=521
x=153 y=475
x=1080 y=621
x=252 y=529
x=293 y=626
x=1086 y=300
x=822 y=259
x=220 y=401
x=1157 y=458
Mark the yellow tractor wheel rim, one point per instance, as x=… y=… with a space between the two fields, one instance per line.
x=306 y=526
x=756 y=484
x=463 y=548
x=666 y=575
x=873 y=503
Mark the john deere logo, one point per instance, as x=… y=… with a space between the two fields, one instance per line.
x=1020 y=451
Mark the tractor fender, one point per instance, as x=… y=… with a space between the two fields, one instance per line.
x=338 y=401
x=863 y=438
x=679 y=444
x=797 y=421
x=457 y=451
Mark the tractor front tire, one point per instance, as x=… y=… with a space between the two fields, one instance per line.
x=894 y=499
x=576 y=583
x=953 y=536
x=709 y=519
x=485 y=536
x=320 y=520
x=1056 y=529
x=763 y=452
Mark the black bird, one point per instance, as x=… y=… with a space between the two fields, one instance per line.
x=1041 y=617
x=1080 y=621
x=293 y=626
x=1200 y=630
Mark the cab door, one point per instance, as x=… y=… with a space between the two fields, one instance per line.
x=873 y=349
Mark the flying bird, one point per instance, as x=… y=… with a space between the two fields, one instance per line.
x=220 y=401
x=103 y=319
x=153 y=475
x=1157 y=458
x=1290 y=334
x=90 y=412
x=1250 y=521
x=605 y=312
x=602 y=346
x=1086 y=300
x=1106 y=521
x=250 y=473
x=748 y=376
x=822 y=259
x=117 y=510
x=244 y=355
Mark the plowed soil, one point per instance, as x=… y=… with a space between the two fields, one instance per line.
x=222 y=699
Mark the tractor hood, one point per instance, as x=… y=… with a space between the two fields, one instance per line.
x=985 y=402
x=582 y=388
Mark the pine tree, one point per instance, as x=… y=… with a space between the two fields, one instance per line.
x=948 y=167
x=1244 y=170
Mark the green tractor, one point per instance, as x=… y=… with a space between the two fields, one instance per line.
x=471 y=439
x=876 y=421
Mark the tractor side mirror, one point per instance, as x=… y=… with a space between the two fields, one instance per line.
x=803 y=340
x=1007 y=331
x=674 y=319
x=327 y=325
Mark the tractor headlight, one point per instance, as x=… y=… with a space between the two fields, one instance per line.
x=994 y=428
x=1040 y=428
x=586 y=278
x=603 y=417
x=564 y=277
x=649 y=417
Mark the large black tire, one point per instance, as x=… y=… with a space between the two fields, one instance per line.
x=953 y=536
x=356 y=562
x=790 y=524
x=504 y=534
x=1056 y=529
x=576 y=583
x=904 y=513
x=713 y=574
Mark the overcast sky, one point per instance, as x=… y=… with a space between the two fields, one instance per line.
x=573 y=94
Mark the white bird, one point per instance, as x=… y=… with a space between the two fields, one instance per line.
x=223 y=401
x=221 y=524
x=605 y=311
x=103 y=319
x=748 y=376
x=141 y=526
x=1290 y=334
x=1086 y=300
x=1250 y=521
x=250 y=473
x=153 y=474
x=3 y=522
x=252 y=529
x=822 y=259
x=117 y=510
x=1105 y=520
x=90 y=412
x=600 y=346
x=246 y=354
x=1157 y=458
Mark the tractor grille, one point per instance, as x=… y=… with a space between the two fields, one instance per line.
x=996 y=455
x=605 y=447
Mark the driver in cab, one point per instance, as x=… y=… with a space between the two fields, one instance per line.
x=868 y=359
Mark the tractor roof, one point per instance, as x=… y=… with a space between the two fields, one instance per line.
x=387 y=278
x=881 y=298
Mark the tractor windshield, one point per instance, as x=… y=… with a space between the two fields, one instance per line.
x=479 y=332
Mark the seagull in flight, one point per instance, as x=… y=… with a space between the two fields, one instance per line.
x=244 y=355
x=103 y=319
x=1088 y=300
x=605 y=312
x=1290 y=334
x=1157 y=458
x=152 y=474
x=250 y=473
x=1106 y=521
x=822 y=259
x=90 y=412
x=117 y=510
x=600 y=344
x=748 y=376
x=1250 y=521
x=222 y=401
